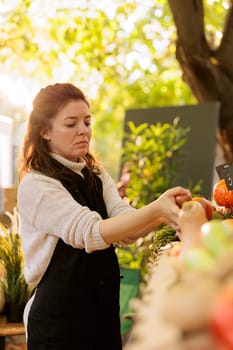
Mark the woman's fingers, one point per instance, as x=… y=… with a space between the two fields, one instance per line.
x=176 y=196
x=180 y=199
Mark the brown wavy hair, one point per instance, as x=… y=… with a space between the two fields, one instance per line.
x=35 y=151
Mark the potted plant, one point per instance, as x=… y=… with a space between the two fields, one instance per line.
x=13 y=283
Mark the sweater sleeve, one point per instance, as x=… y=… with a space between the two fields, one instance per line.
x=49 y=208
x=114 y=203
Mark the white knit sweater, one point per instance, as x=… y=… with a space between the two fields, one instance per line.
x=48 y=212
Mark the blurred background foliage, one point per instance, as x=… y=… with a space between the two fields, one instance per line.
x=151 y=156
x=121 y=52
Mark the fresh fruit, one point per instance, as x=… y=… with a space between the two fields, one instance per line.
x=217 y=237
x=206 y=205
x=229 y=223
x=222 y=195
x=198 y=259
x=180 y=199
x=191 y=217
x=221 y=318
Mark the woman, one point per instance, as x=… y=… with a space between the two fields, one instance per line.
x=71 y=215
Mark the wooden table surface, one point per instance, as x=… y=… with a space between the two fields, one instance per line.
x=9 y=329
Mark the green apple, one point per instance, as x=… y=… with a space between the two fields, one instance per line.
x=216 y=237
x=198 y=259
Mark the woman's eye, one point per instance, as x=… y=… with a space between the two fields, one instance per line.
x=70 y=125
x=88 y=123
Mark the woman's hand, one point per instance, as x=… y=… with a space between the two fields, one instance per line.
x=139 y=222
x=169 y=204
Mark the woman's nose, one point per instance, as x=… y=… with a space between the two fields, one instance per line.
x=81 y=129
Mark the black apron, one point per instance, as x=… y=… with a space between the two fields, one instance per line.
x=76 y=305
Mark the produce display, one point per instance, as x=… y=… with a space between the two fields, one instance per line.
x=188 y=301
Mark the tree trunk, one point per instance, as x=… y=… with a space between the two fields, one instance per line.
x=208 y=70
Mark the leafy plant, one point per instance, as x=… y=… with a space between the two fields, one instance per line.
x=11 y=258
x=163 y=235
x=136 y=255
x=152 y=155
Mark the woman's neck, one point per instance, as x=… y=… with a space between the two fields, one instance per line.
x=74 y=166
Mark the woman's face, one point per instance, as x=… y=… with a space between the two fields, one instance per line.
x=70 y=132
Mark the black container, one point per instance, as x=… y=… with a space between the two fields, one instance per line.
x=14 y=312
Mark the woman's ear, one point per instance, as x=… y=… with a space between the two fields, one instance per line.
x=45 y=135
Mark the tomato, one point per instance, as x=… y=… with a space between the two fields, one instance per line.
x=222 y=195
x=206 y=205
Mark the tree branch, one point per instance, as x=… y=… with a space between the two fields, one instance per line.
x=192 y=51
x=190 y=29
x=225 y=52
